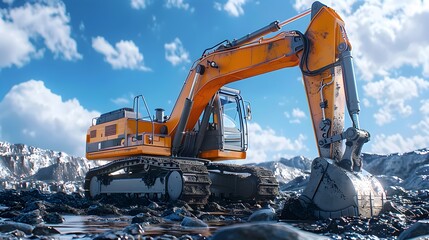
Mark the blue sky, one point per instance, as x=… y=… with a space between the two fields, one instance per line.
x=64 y=62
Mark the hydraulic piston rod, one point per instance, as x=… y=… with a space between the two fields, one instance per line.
x=351 y=93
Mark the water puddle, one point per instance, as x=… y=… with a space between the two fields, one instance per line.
x=79 y=226
x=75 y=225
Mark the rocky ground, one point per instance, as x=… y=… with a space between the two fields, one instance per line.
x=30 y=214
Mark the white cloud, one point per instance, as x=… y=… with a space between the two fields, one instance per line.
x=392 y=96
x=366 y=102
x=180 y=4
x=298 y=113
x=296 y=116
x=139 y=4
x=125 y=54
x=120 y=101
x=22 y=28
x=287 y=114
x=82 y=26
x=123 y=100
x=175 y=53
x=33 y=114
x=385 y=35
x=425 y=107
x=232 y=7
x=339 y=6
x=423 y=125
x=217 y=6
x=264 y=144
x=17 y=52
x=386 y=144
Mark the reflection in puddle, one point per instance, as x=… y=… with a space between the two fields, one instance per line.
x=79 y=226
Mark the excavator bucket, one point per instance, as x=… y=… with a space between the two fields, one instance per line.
x=333 y=192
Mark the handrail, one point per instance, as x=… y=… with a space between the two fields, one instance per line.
x=136 y=109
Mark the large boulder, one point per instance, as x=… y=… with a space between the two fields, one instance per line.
x=418 y=229
x=263 y=231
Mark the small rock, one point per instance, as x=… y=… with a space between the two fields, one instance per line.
x=112 y=235
x=420 y=228
x=389 y=206
x=176 y=214
x=214 y=207
x=9 y=214
x=32 y=194
x=186 y=237
x=166 y=237
x=263 y=231
x=423 y=194
x=265 y=214
x=209 y=218
x=62 y=208
x=136 y=210
x=53 y=218
x=146 y=218
x=11 y=226
x=193 y=223
x=33 y=217
x=36 y=205
x=181 y=204
x=45 y=230
x=395 y=190
x=103 y=209
x=17 y=233
x=153 y=206
x=134 y=229
x=237 y=206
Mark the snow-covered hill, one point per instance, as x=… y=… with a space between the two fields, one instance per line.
x=409 y=170
x=22 y=162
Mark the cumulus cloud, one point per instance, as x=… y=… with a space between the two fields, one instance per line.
x=386 y=144
x=123 y=100
x=385 y=34
x=265 y=143
x=232 y=7
x=296 y=116
x=175 y=53
x=424 y=109
x=180 y=4
x=31 y=113
x=124 y=55
x=418 y=136
x=139 y=4
x=392 y=96
x=23 y=28
x=422 y=127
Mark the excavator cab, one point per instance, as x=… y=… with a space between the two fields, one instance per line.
x=221 y=132
x=227 y=126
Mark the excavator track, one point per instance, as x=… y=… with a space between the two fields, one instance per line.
x=196 y=180
x=244 y=183
x=152 y=173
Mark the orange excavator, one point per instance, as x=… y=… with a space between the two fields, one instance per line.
x=177 y=156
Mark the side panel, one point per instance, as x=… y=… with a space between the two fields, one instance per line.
x=117 y=139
